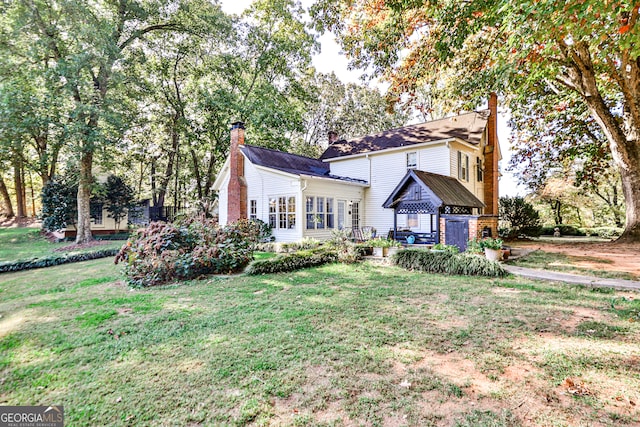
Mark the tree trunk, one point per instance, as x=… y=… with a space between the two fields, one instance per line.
x=196 y=172
x=21 y=205
x=84 y=198
x=6 y=200
x=631 y=191
x=154 y=192
x=166 y=179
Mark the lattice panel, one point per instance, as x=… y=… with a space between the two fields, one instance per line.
x=420 y=207
x=457 y=210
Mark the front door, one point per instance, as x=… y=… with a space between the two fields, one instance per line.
x=457 y=233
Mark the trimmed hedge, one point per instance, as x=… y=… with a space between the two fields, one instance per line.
x=447 y=263
x=604 y=232
x=55 y=260
x=565 y=230
x=291 y=262
x=114 y=236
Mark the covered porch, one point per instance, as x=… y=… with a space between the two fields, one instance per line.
x=440 y=197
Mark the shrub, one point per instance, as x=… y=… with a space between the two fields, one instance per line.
x=565 y=230
x=447 y=263
x=291 y=262
x=347 y=251
x=119 y=198
x=604 y=232
x=448 y=248
x=59 y=203
x=474 y=246
x=522 y=217
x=55 y=260
x=196 y=246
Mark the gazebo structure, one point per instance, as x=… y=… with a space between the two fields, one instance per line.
x=454 y=210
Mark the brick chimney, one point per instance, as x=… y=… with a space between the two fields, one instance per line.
x=237 y=189
x=491 y=159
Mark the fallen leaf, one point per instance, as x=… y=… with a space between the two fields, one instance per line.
x=405 y=384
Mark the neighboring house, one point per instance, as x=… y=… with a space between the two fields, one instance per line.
x=101 y=223
x=437 y=181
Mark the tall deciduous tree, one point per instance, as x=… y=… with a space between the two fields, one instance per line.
x=87 y=46
x=348 y=109
x=589 y=49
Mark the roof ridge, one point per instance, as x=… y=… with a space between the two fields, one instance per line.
x=280 y=151
x=481 y=112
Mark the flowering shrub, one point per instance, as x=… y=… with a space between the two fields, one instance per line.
x=194 y=247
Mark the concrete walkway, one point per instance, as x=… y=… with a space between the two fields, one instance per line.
x=554 y=276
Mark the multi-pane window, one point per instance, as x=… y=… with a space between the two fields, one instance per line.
x=355 y=215
x=253 y=209
x=282 y=212
x=463 y=166
x=479 y=169
x=273 y=212
x=412 y=160
x=97 y=213
x=319 y=212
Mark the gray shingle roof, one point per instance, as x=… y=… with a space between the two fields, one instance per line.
x=290 y=163
x=468 y=127
x=449 y=190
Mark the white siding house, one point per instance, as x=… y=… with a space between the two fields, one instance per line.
x=455 y=160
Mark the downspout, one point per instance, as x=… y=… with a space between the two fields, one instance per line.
x=366 y=211
x=302 y=206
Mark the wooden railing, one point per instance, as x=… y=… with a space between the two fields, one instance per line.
x=420 y=238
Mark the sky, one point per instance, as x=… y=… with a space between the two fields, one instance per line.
x=331 y=59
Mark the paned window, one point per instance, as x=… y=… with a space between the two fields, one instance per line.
x=253 y=209
x=479 y=169
x=282 y=212
x=412 y=160
x=463 y=166
x=319 y=213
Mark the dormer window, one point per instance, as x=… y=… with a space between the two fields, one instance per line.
x=412 y=160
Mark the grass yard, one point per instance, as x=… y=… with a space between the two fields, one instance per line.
x=27 y=243
x=332 y=346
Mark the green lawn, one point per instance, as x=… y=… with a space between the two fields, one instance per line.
x=335 y=345
x=27 y=243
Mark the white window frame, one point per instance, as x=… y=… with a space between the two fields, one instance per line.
x=320 y=212
x=282 y=212
x=412 y=163
x=253 y=209
x=463 y=166
x=479 y=170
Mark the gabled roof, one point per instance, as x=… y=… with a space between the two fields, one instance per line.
x=468 y=127
x=291 y=163
x=449 y=191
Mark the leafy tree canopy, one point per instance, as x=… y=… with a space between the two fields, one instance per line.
x=587 y=50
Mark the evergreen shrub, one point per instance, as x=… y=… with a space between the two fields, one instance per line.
x=447 y=263
x=55 y=260
x=291 y=262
